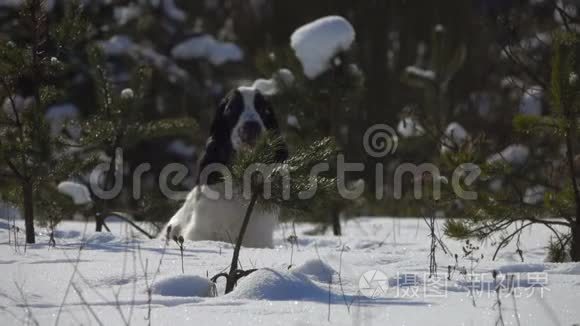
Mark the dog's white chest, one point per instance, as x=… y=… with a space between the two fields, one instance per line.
x=202 y=218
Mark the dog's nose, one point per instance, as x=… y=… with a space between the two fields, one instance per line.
x=250 y=132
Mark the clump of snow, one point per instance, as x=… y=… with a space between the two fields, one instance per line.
x=127 y=94
x=454 y=137
x=409 y=127
x=285 y=75
x=317 y=270
x=292 y=121
x=318 y=42
x=531 y=101
x=171 y=10
x=207 y=47
x=534 y=195
x=271 y=284
x=515 y=154
x=183 y=286
x=125 y=14
x=573 y=78
x=421 y=73
x=179 y=147
x=58 y=115
x=119 y=45
x=79 y=193
x=271 y=86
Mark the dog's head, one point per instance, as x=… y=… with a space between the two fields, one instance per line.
x=242 y=117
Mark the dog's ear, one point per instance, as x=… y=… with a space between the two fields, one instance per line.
x=216 y=129
x=218 y=147
x=217 y=153
x=266 y=111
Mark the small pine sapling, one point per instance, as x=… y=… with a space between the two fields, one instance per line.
x=120 y=123
x=29 y=69
x=289 y=185
x=509 y=211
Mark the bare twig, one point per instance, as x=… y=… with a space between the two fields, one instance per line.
x=87 y=305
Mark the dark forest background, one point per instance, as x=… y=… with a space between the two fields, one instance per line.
x=491 y=61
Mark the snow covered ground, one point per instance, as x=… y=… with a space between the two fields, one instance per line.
x=114 y=271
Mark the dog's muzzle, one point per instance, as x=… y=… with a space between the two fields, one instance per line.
x=250 y=132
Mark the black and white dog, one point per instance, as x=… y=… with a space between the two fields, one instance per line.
x=242 y=116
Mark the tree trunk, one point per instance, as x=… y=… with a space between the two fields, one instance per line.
x=570 y=156
x=28 y=211
x=109 y=183
x=231 y=278
x=575 y=248
x=335 y=220
x=99 y=223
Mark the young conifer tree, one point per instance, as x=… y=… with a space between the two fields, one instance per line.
x=272 y=185
x=317 y=107
x=544 y=190
x=30 y=66
x=118 y=124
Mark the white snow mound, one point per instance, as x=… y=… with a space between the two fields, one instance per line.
x=270 y=284
x=99 y=238
x=316 y=43
x=183 y=286
x=566 y=268
x=317 y=270
x=206 y=46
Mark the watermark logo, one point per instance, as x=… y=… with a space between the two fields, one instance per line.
x=380 y=140
x=373 y=284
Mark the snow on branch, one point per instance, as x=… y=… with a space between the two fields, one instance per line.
x=207 y=47
x=316 y=43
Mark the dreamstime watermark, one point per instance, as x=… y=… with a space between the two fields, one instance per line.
x=375 y=284
x=379 y=141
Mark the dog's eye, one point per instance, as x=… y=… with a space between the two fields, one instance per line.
x=262 y=105
x=235 y=106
